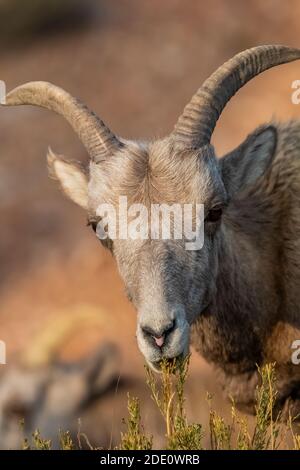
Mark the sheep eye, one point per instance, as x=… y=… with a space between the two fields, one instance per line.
x=214 y=215
x=106 y=242
x=93 y=224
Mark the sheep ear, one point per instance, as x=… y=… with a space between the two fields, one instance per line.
x=72 y=179
x=245 y=165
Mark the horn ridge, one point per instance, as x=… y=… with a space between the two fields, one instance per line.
x=97 y=138
x=196 y=125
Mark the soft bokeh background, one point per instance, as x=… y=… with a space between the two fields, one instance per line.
x=136 y=64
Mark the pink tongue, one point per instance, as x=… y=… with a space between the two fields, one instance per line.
x=160 y=341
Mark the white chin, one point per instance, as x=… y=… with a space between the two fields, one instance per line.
x=156 y=366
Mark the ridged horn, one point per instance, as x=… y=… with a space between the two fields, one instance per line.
x=97 y=138
x=195 y=126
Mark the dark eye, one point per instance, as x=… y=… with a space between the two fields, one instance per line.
x=106 y=242
x=93 y=224
x=214 y=215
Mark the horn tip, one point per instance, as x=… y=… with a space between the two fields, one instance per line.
x=2 y=93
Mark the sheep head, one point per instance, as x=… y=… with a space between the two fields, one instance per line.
x=168 y=284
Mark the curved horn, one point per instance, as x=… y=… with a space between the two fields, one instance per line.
x=195 y=126
x=98 y=140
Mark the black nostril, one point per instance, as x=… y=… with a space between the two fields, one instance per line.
x=159 y=336
x=170 y=328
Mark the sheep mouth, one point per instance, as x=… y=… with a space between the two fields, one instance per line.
x=168 y=365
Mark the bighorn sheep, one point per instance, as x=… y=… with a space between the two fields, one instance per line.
x=238 y=297
x=55 y=395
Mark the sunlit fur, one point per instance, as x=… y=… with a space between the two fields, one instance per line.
x=236 y=298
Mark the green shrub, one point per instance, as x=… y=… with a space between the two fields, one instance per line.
x=167 y=391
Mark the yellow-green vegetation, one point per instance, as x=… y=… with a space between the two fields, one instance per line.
x=134 y=438
x=169 y=398
x=269 y=432
x=167 y=391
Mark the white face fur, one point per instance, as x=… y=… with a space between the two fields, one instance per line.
x=168 y=285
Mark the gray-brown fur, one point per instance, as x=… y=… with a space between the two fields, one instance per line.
x=238 y=297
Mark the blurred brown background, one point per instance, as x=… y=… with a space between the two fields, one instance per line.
x=136 y=63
